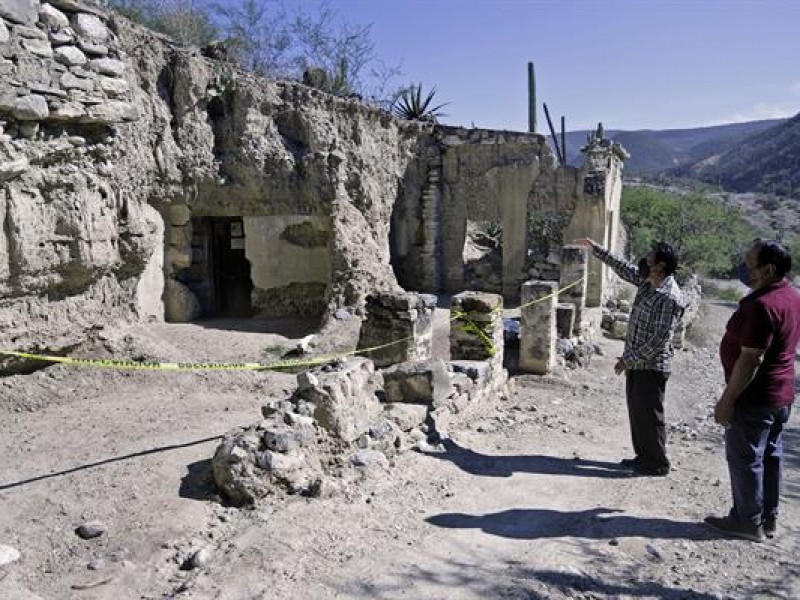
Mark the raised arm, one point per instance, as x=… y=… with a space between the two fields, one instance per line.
x=627 y=271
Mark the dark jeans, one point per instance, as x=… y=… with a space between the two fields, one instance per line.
x=644 y=391
x=754 y=448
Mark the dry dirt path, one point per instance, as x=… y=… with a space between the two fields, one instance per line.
x=525 y=501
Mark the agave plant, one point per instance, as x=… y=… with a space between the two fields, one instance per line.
x=411 y=105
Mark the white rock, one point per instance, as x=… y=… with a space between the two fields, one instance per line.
x=68 y=111
x=107 y=66
x=30 y=108
x=69 y=81
x=202 y=558
x=112 y=86
x=38 y=47
x=8 y=555
x=90 y=26
x=13 y=168
x=4 y=34
x=61 y=37
x=30 y=33
x=70 y=56
x=52 y=17
x=92 y=48
x=20 y=11
x=111 y=112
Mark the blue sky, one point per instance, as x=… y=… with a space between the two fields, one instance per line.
x=632 y=64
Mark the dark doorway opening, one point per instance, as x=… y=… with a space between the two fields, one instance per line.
x=231 y=282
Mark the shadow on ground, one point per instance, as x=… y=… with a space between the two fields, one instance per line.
x=197 y=484
x=514 y=580
x=487 y=465
x=594 y=523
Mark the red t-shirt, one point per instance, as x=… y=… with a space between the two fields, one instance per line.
x=768 y=318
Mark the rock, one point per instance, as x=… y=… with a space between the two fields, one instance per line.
x=110 y=112
x=50 y=16
x=421 y=382
x=13 y=168
x=8 y=555
x=406 y=416
x=70 y=56
x=72 y=6
x=342 y=314
x=61 y=37
x=322 y=487
x=4 y=33
x=32 y=107
x=344 y=396
x=28 y=129
x=90 y=530
x=281 y=464
x=24 y=12
x=70 y=81
x=108 y=66
x=281 y=440
x=370 y=458
x=30 y=33
x=96 y=564
x=180 y=303
x=68 y=111
x=40 y=48
x=92 y=48
x=90 y=26
x=202 y=558
x=112 y=86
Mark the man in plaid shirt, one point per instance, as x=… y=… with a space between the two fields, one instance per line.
x=647 y=358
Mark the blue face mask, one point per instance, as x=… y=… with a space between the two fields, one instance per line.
x=744 y=274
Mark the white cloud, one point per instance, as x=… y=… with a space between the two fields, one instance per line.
x=760 y=111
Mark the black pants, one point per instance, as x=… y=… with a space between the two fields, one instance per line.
x=644 y=390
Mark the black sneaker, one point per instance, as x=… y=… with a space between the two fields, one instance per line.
x=770 y=525
x=737 y=529
x=646 y=471
x=630 y=462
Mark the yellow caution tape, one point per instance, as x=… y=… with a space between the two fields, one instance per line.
x=110 y=363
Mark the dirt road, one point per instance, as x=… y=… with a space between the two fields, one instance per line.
x=525 y=500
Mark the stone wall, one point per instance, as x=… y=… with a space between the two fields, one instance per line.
x=110 y=135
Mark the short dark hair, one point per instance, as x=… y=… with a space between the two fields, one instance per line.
x=772 y=252
x=664 y=253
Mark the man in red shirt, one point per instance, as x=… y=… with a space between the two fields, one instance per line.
x=758 y=355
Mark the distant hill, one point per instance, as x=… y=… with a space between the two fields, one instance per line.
x=657 y=151
x=767 y=161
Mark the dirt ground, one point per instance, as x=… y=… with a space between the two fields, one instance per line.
x=525 y=500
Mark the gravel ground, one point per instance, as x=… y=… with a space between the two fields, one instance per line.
x=524 y=501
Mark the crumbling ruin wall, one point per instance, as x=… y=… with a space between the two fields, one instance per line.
x=112 y=139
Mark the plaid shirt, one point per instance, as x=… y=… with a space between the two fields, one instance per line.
x=654 y=315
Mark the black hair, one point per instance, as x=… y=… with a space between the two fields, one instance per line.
x=772 y=252
x=664 y=253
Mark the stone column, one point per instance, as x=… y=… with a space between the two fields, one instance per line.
x=402 y=319
x=476 y=331
x=574 y=269
x=537 y=346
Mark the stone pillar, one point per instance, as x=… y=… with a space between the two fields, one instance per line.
x=574 y=261
x=537 y=345
x=402 y=319
x=565 y=319
x=476 y=329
